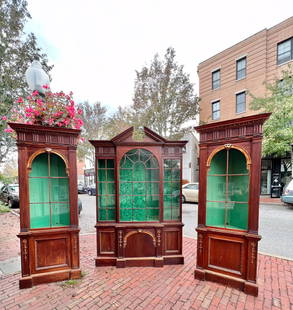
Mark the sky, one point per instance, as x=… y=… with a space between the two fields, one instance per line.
x=96 y=46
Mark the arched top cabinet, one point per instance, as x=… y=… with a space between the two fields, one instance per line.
x=228 y=208
x=138 y=188
x=49 y=233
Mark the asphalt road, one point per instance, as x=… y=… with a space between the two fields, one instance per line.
x=276 y=225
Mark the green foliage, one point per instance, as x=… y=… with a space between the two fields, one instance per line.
x=3 y=208
x=17 y=51
x=94 y=120
x=278 y=130
x=164 y=97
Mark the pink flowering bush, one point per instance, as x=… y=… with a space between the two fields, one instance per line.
x=52 y=109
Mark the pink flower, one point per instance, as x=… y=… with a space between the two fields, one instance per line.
x=82 y=139
x=35 y=93
x=45 y=86
x=4 y=118
x=8 y=130
x=19 y=100
x=39 y=102
x=51 y=121
x=79 y=111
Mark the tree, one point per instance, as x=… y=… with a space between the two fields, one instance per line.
x=118 y=122
x=17 y=51
x=164 y=98
x=94 y=120
x=278 y=129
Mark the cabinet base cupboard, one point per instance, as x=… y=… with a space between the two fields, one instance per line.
x=49 y=233
x=139 y=214
x=228 y=207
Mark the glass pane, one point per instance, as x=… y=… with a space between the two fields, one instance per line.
x=126 y=162
x=152 y=214
x=167 y=213
x=139 y=188
x=139 y=202
x=110 y=163
x=40 y=166
x=110 y=175
x=175 y=174
x=111 y=188
x=175 y=214
x=59 y=190
x=111 y=201
x=126 y=215
x=238 y=188
x=39 y=215
x=60 y=214
x=126 y=175
x=216 y=188
x=125 y=188
x=152 y=202
x=139 y=173
x=126 y=202
x=215 y=214
x=153 y=188
x=237 y=162
x=102 y=214
x=237 y=216
x=167 y=174
x=111 y=216
x=218 y=163
x=152 y=174
x=101 y=163
x=139 y=215
x=102 y=188
x=57 y=166
x=39 y=188
x=101 y=175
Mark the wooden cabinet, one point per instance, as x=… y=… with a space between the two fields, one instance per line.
x=139 y=220
x=229 y=189
x=49 y=233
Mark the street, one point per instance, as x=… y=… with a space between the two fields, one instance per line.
x=276 y=225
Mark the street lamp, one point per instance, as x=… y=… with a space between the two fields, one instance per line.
x=36 y=77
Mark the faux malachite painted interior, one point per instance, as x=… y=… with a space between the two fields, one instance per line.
x=106 y=190
x=227 y=190
x=139 y=184
x=48 y=192
x=171 y=189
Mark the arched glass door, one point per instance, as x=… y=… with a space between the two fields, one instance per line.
x=139 y=187
x=48 y=192
x=227 y=190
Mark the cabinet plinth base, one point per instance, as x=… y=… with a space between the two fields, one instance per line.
x=139 y=261
x=247 y=287
x=47 y=277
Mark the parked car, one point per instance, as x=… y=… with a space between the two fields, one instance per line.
x=190 y=192
x=79 y=206
x=287 y=196
x=10 y=194
x=81 y=189
x=91 y=190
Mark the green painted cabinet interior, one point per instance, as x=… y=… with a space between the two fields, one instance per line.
x=106 y=190
x=48 y=192
x=139 y=184
x=227 y=190
x=172 y=176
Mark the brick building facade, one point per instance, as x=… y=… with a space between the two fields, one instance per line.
x=227 y=78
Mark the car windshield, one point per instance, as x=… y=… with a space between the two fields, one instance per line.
x=14 y=188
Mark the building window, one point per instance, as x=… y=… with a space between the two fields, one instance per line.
x=241 y=102
x=216 y=110
x=241 y=68
x=285 y=51
x=216 y=79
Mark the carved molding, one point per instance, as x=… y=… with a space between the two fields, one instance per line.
x=141 y=231
x=158 y=238
x=25 y=250
x=120 y=238
x=253 y=252
x=200 y=243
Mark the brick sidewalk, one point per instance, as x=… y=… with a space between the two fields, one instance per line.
x=170 y=287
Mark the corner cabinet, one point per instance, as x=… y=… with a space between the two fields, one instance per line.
x=49 y=233
x=138 y=187
x=228 y=208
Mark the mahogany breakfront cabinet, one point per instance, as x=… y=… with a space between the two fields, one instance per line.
x=138 y=184
x=229 y=189
x=49 y=233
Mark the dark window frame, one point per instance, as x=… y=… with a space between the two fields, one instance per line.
x=291 y=51
x=218 y=110
x=237 y=103
x=238 y=71
x=217 y=81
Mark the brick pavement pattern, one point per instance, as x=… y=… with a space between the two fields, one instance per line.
x=170 y=287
